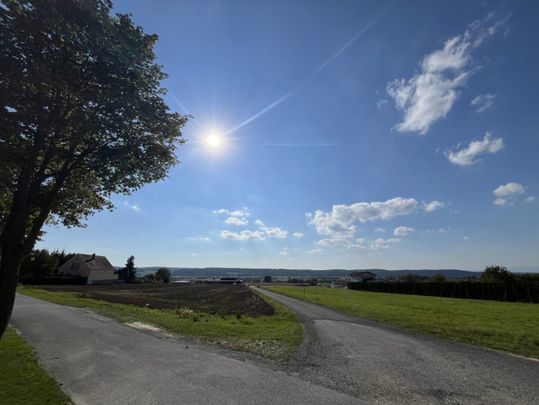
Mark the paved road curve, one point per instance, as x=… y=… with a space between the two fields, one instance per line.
x=388 y=365
x=100 y=361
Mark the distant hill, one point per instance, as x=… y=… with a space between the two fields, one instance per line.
x=302 y=273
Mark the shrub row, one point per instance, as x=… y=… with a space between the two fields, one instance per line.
x=514 y=291
x=53 y=280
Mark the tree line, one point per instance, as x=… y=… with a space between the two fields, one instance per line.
x=495 y=283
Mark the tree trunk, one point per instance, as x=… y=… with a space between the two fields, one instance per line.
x=10 y=262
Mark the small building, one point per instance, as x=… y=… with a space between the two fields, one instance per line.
x=96 y=269
x=365 y=277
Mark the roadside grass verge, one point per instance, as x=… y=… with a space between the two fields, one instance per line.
x=507 y=326
x=276 y=337
x=22 y=380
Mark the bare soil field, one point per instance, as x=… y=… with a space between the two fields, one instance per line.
x=210 y=298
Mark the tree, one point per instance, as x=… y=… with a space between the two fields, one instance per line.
x=128 y=272
x=82 y=116
x=39 y=263
x=437 y=278
x=496 y=274
x=268 y=279
x=163 y=274
x=409 y=278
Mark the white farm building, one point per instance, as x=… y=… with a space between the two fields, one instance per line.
x=96 y=269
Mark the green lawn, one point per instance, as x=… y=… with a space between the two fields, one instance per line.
x=22 y=380
x=275 y=337
x=508 y=326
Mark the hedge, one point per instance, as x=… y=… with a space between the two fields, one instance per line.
x=51 y=280
x=515 y=291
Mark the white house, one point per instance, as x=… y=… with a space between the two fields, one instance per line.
x=97 y=269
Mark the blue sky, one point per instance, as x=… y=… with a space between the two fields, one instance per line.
x=352 y=135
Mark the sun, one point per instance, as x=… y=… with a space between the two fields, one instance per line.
x=214 y=141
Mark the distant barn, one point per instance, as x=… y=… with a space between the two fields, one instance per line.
x=96 y=269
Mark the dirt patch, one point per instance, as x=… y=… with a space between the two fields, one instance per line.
x=210 y=298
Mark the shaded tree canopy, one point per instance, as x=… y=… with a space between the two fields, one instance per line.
x=163 y=274
x=82 y=116
x=128 y=272
x=496 y=274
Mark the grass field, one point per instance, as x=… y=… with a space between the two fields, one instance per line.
x=22 y=380
x=508 y=326
x=276 y=336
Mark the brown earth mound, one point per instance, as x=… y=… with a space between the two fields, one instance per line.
x=210 y=298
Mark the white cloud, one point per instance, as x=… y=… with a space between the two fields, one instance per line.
x=469 y=155
x=383 y=243
x=530 y=198
x=335 y=239
x=236 y=221
x=433 y=206
x=240 y=213
x=381 y=103
x=483 y=102
x=134 y=207
x=244 y=235
x=234 y=217
x=466 y=238
x=298 y=235
x=376 y=244
x=338 y=225
x=314 y=251
x=262 y=233
x=275 y=232
x=243 y=212
x=283 y=253
x=429 y=95
x=402 y=231
x=507 y=194
x=200 y=238
x=509 y=189
x=379 y=230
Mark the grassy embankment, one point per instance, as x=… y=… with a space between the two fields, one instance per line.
x=276 y=337
x=508 y=326
x=22 y=380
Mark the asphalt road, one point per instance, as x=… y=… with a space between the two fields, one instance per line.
x=382 y=364
x=99 y=361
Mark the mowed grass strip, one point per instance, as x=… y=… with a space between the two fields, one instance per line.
x=22 y=380
x=507 y=326
x=276 y=337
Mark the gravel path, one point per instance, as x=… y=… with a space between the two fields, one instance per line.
x=99 y=361
x=381 y=364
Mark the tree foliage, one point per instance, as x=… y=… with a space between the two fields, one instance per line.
x=82 y=116
x=496 y=274
x=128 y=273
x=437 y=278
x=39 y=263
x=163 y=274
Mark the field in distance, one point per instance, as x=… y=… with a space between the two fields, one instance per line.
x=209 y=298
x=229 y=315
x=507 y=326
